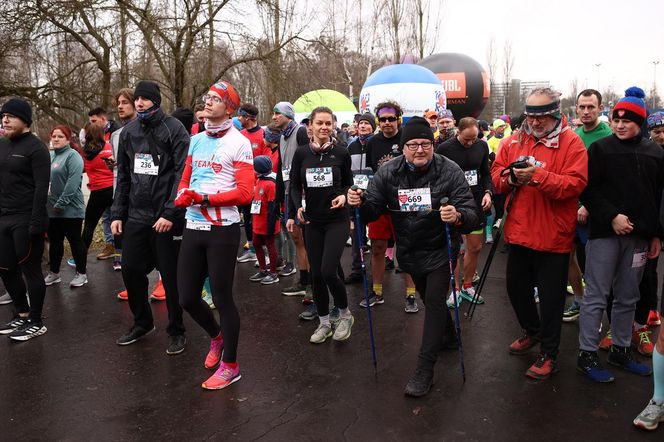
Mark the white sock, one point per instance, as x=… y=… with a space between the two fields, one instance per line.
x=344 y=313
x=325 y=320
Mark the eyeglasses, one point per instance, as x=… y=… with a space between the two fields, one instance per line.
x=386 y=119
x=425 y=145
x=539 y=118
x=215 y=99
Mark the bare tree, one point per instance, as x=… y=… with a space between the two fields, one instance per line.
x=508 y=66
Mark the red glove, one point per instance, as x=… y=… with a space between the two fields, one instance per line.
x=184 y=199
x=197 y=198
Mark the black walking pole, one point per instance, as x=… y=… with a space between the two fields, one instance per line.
x=358 y=229
x=443 y=203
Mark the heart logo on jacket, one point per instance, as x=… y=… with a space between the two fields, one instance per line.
x=403 y=199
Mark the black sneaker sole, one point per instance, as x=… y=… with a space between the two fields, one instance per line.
x=27 y=337
x=137 y=339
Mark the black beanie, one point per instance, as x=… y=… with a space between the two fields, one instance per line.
x=149 y=90
x=262 y=165
x=416 y=127
x=186 y=117
x=369 y=118
x=18 y=108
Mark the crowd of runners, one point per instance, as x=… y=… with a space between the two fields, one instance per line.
x=576 y=198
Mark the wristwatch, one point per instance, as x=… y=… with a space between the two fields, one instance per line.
x=206 y=200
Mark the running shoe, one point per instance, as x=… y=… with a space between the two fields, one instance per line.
x=214 y=354
x=71 y=262
x=308 y=296
x=246 y=245
x=496 y=225
x=310 y=313
x=654 y=318
x=133 y=335
x=79 y=280
x=542 y=368
x=296 y=289
x=247 y=256
x=207 y=297
x=349 y=242
x=176 y=345
x=489 y=236
x=420 y=383
x=523 y=344
x=52 y=278
x=476 y=278
x=5 y=299
x=12 y=325
x=606 y=342
x=354 y=278
x=373 y=300
x=588 y=363
x=271 y=278
x=450 y=299
x=107 y=253
x=159 y=293
x=30 y=329
x=289 y=269
x=536 y=295
x=572 y=312
x=411 y=305
x=281 y=264
x=622 y=357
x=117 y=266
x=468 y=293
x=259 y=276
x=123 y=296
x=651 y=416
x=223 y=377
x=321 y=333
x=342 y=332
x=641 y=340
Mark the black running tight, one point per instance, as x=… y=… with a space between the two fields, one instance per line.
x=99 y=201
x=58 y=230
x=325 y=244
x=212 y=253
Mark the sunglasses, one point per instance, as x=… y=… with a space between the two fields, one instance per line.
x=386 y=119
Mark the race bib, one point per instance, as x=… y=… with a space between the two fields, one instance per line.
x=413 y=200
x=639 y=259
x=471 y=177
x=255 y=207
x=285 y=173
x=361 y=181
x=319 y=177
x=198 y=225
x=144 y=165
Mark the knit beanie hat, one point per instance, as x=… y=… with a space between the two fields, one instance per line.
x=655 y=120
x=446 y=113
x=228 y=94
x=631 y=107
x=185 y=116
x=416 y=127
x=368 y=117
x=262 y=165
x=284 y=108
x=18 y=108
x=498 y=123
x=149 y=90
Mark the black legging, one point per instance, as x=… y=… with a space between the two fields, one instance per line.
x=21 y=252
x=211 y=253
x=325 y=243
x=98 y=202
x=246 y=216
x=58 y=230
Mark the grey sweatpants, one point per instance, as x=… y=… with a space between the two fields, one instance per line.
x=616 y=262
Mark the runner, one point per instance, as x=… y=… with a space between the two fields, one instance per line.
x=66 y=208
x=420 y=233
x=472 y=156
x=320 y=175
x=217 y=178
x=24 y=180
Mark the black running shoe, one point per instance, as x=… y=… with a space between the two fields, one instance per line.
x=30 y=329
x=420 y=384
x=12 y=325
x=176 y=344
x=134 y=335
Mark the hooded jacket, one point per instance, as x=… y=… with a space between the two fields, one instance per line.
x=144 y=198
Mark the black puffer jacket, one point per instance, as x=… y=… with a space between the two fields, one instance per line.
x=420 y=236
x=144 y=198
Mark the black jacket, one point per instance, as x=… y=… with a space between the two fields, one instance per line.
x=25 y=173
x=145 y=198
x=420 y=236
x=624 y=177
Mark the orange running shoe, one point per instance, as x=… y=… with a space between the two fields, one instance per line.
x=641 y=339
x=123 y=296
x=216 y=350
x=158 y=294
x=543 y=367
x=606 y=342
x=654 y=318
x=223 y=377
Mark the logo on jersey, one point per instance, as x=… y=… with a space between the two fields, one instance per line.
x=215 y=166
x=403 y=198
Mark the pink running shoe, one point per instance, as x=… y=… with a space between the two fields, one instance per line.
x=216 y=350
x=223 y=377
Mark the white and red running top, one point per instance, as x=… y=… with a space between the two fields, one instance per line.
x=222 y=168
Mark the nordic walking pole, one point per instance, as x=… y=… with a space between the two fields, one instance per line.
x=360 y=243
x=443 y=203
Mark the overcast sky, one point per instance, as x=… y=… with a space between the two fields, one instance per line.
x=563 y=39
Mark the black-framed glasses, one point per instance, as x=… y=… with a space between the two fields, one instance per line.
x=425 y=145
x=386 y=119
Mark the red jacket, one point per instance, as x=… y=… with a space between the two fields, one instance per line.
x=543 y=215
x=99 y=175
x=255 y=137
x=265 y=222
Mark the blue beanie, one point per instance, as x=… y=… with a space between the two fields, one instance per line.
x=631 y=107
x=262 y=165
